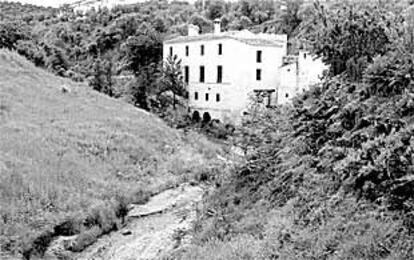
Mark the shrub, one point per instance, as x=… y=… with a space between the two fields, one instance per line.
x=38 y=245
x=390 y=74
x=332 y=148
x=85 y=239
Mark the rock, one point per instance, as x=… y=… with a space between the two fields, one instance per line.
x=126 y=232
x=65 y=89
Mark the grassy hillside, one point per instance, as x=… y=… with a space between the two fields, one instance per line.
x=68 y=153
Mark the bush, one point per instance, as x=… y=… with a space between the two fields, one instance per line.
x=37 y=246
x=390 y=74
x=337 y=163
x=85 y=239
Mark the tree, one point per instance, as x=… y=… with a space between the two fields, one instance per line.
x=11 y=33
x=142 y=50
x=102 y=77
x=350 y=38
x=172 y=78
x=216 y=9
x=244 y=8
x=142 y=54
x=241 y=23
x=291 y=18
x=202 y=23
x=31 y=51
x=57 y=61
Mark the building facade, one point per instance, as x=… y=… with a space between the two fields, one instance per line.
x=297 y=74
x=224 y=69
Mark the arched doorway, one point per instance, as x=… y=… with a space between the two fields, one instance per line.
x=206 y=117
x=196 y=116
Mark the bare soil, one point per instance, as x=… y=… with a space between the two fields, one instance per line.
x=152 y=230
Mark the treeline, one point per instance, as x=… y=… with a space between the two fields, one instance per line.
x=24 y=12
x=101 y=46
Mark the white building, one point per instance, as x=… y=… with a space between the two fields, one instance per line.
x=297 y=74
x=222 y=69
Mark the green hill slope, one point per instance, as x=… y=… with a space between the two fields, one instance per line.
x=67 y=152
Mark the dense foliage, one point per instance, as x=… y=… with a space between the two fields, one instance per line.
x=126 y=38
x=328 y=177
x=332 y=175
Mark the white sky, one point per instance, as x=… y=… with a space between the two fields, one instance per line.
x=54 y=3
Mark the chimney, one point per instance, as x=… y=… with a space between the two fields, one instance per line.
x=217 y=26
x=193 y=30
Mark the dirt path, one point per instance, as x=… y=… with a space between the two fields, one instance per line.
x=153 y=229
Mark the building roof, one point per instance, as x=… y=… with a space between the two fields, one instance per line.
x=244 y=36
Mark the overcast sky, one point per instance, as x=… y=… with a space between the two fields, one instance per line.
x=54 y=3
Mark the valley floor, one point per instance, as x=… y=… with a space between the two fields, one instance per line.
x=153 y=229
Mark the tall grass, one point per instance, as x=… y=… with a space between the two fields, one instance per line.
x=79 y=155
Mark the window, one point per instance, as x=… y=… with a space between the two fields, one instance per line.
x=304 y=55
x=287 y=95
x=202 y=50
x=219 y=74
x=202 y=74
x=218 y=97
x=258 y=74
x=259 y=56
x=195 y=95
x=220 y=49
x=206 y=96
x=171 y=51
x=187 y=50
x=186 y=74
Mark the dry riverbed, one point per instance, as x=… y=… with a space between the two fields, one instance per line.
x=153 y=230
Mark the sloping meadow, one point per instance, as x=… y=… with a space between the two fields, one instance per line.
x=71 y=160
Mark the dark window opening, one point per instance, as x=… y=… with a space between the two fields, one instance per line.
x=218 y=97
x=219 y=74
x=258 y=74
x=171 y=51
x=259 y=56
x=196 y=116
x=195 y=95
x=206 y=117
x=186 y=74
x=187 y=50
x=207 y=96
x=305 y=55
x=287 y=95
x=202 y=74
x=220 y=49
x=202 y=50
